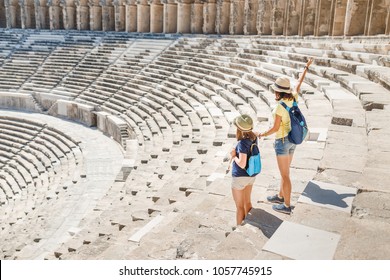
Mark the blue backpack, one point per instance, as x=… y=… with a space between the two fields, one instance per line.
x=254 y=160
x=298 y=123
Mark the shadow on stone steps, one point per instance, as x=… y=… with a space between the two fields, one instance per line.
x=263 y=220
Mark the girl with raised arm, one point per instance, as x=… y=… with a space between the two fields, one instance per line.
x=284 y=149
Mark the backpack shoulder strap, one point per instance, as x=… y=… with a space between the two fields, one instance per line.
x=295 y=103
x=254 y=143
x=285 y=106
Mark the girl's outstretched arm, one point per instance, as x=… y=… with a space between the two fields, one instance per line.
x=298 y=87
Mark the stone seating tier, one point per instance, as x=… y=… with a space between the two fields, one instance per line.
x=343 y=62
x=37 y=149
x=199 y=111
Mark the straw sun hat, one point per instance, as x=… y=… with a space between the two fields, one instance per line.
x=244 y=123
x=282 y=84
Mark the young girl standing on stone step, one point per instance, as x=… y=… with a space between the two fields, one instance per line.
x=241 y=182
x=284 y=149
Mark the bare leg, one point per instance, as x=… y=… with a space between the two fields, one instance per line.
x=281 y=194
x=238 y=196
x=284 y=169
x=281 y=187
x=290 y=158
x=247 y=199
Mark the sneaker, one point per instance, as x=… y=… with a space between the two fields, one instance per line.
x=275 y=199
x=282 y=208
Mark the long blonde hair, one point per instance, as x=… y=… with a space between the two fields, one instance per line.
x=240 y=135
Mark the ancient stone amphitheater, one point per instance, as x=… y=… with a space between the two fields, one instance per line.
x=116 y=122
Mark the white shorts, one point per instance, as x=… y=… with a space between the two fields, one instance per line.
x=239 y=183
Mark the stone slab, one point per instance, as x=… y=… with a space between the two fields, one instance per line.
x=16 y=100
x=328 y=195
x=76 y=111
x=306 y=163
x=215 y=112
x=369 y=88
x=62 y=108
x=235 y=247
x=335 y=176
x=302 y=243
x=230 y=116
x=372 y=179
x=147 y=228
x=337 y=155
x=318 y=134
x=377 y=119
x=319 y=107
x=364 y=239
x=214 y=176
x=308 y=215
x=351 y=80
x=372 y=205
x=353 y=139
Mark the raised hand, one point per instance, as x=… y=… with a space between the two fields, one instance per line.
x=309 y=62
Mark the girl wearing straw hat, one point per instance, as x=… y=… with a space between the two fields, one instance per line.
x=241 y=181
x=284 y=149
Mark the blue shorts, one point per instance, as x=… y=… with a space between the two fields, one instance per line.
x=283 y=147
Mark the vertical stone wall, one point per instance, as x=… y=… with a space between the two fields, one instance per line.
x=222 y=20
x=169 y=16
x=13 y=13
x=209 y=16
x=250 y=12
x=387 y=32
x=69 y=14
x=82 y=15
x=3 y=22
x=292 y=18
x=184 y=16
x=340 y=9
x=95 y=15
x=131 y=16
x=55 y=14
x=278 y=16
x=379 y=14
x=27 y=13
x=197 y=17
x=248 y=17
x=264 y=17
x=237 y=8
x=108 y=15
x=156 y=16
x=322 y=20
x=308 y=16
x=120 y=12
x=355 y=17
x=143 y=16
x=41 y=11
